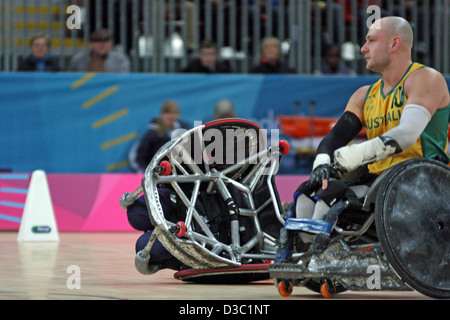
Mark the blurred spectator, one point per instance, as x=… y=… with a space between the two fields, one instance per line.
x=271 y=58
x=159 y=132
x=332 y=62
x=207 y=61
x=224 y=109
x=99 y=57
x=39 y=58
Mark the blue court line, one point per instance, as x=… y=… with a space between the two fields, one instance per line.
x=12 y=204
x=13 y=190
x=14 y=176
x=9 y=218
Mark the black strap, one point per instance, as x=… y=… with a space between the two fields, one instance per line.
x=347 y=127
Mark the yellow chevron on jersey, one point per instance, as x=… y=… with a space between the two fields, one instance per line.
x=382 y=113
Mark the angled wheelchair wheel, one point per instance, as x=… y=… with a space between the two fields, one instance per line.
x=412 y=217
x=220 y=175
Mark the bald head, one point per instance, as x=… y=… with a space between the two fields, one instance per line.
x=396 y=27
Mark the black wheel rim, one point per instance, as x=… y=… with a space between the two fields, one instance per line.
x=413 y=224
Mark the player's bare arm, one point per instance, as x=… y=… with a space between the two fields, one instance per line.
x=356 y=103
x=427 y=87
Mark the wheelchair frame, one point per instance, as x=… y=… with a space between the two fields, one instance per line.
x=200 y=249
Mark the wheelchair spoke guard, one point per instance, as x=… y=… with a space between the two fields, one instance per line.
x=412 y=216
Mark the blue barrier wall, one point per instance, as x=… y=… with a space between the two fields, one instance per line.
x=86 y=123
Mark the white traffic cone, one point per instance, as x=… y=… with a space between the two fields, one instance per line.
x=38 y=219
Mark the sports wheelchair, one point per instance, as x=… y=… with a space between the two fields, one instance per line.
x=396 y=239
x=229 y=216
x=228 y=212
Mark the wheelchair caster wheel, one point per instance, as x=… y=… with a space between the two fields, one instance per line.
x=284 y=147
x=285 y=288
x=166 y=168
x=181 y=229
x=328 y=289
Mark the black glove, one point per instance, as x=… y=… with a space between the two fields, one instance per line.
x=323 y=171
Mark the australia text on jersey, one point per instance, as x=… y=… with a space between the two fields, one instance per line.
x=393 y=114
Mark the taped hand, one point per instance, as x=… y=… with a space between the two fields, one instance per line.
x=321 y=175
x=351 y=157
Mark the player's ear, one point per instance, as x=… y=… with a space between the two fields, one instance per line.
x=396 y=43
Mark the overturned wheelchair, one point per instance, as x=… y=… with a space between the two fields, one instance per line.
x=228 y=214
x=221 y=176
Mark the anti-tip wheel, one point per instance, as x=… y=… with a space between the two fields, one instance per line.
x=181 y=229
x=328 y=290
x=285 y=288
x=166 y=168
x=284 y=146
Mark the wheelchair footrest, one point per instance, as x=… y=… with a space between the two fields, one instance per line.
x=308 y=225
x=287 y=271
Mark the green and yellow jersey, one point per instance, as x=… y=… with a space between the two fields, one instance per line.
x=382 y=113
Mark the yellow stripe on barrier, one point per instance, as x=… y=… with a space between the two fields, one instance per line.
x=110 y=118
x=32 y=9
x=43 y=25
x=68 y=43
x=55 y=42
x=100 y=97
x=119 y=140
x=83 y=80
x=118 y=165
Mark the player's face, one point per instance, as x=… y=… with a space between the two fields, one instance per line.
x=375 y=50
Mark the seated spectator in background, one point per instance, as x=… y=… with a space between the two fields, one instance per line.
x=159 y=132
x=39 y=58
x=332 y=63
x=271 y=58
x=100 y=57
x=207 y=61
x=224 y=109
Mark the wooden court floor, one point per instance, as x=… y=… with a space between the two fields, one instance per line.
x=105 y=265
